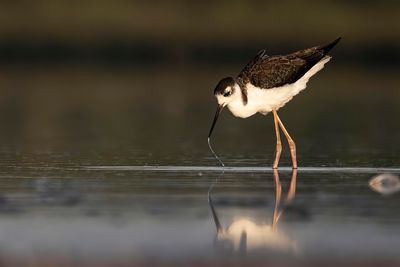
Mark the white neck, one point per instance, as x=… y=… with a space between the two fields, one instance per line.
x=237 y=107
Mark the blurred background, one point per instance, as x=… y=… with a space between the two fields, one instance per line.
x=89 y=84
x=131 y=82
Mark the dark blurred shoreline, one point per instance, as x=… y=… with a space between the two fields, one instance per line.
x=149 y=33
x=141 y=53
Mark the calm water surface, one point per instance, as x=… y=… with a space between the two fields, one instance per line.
x=69 y=195
x=113 y=215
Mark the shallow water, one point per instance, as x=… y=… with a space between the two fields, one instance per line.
x=92 y=172
x=144 y=215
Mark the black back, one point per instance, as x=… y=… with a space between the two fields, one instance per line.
x=273 y=71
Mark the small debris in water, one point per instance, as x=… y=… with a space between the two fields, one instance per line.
x=386 y=184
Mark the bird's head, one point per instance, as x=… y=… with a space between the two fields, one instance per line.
x=225 y=92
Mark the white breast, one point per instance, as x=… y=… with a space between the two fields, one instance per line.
x=265 y=100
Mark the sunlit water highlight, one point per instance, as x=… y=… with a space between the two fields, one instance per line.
x=365 y=170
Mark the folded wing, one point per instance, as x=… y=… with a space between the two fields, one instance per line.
x=268 y=72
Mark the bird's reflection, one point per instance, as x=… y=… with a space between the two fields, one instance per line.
x=244 y=235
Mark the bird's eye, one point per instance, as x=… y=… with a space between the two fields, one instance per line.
x=227 y=93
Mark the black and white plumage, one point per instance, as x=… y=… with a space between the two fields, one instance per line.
x=267 y=83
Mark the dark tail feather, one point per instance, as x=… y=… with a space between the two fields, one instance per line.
x=313 y=55
x=328 y=47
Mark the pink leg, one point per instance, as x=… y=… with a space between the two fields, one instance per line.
x=278 y=150
x=291 y=143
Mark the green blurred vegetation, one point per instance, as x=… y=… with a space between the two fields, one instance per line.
x=201 y=21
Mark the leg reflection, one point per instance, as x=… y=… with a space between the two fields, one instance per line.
x=245 y=235
x=278 y=191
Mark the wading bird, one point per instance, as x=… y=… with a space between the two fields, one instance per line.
x=266 y=84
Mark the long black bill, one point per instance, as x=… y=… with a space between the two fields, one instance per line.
x=219 y=109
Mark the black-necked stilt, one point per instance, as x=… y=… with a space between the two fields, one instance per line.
x=266 y=84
